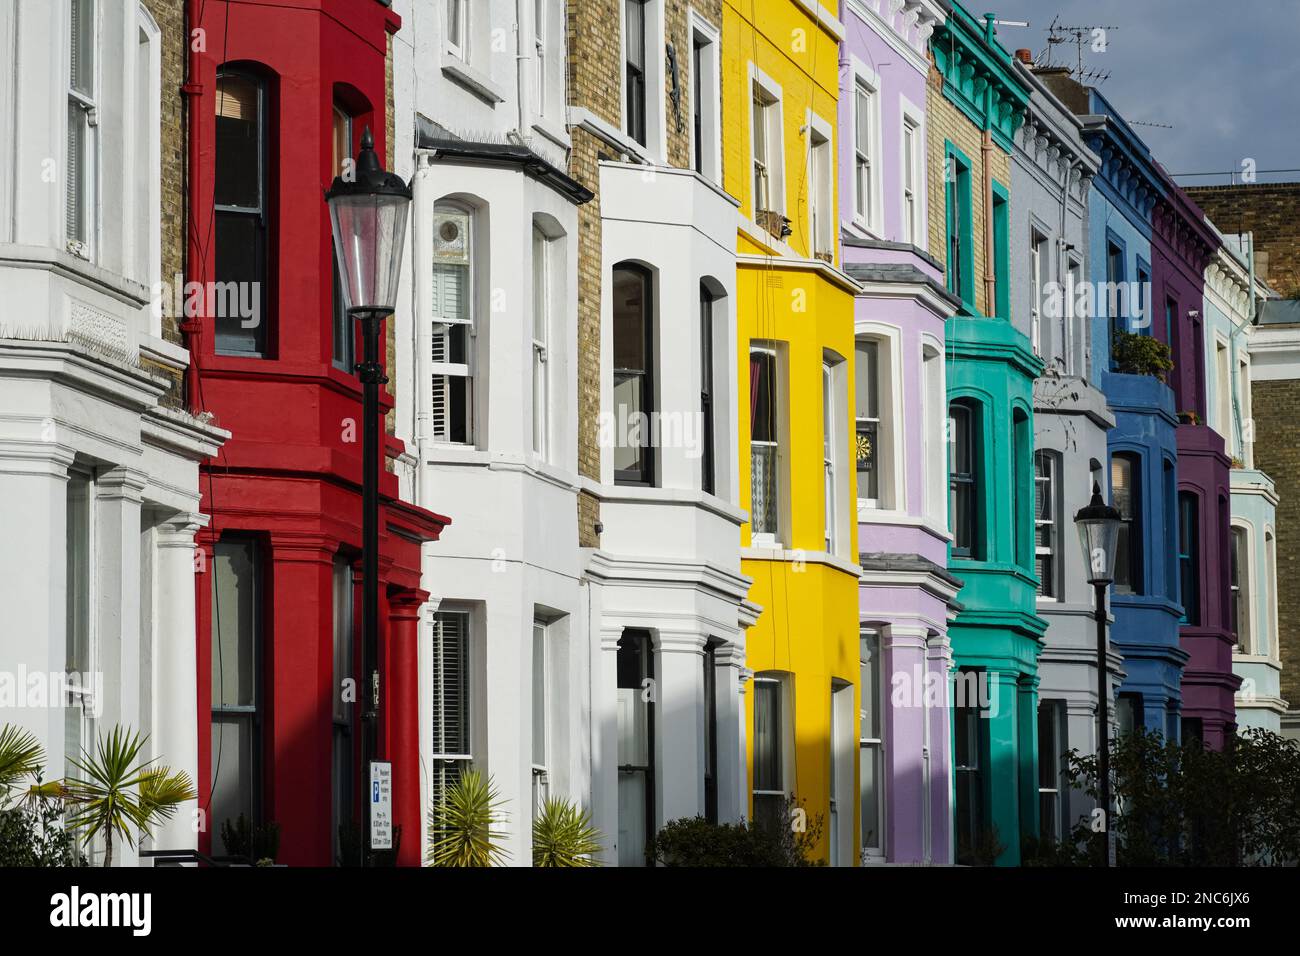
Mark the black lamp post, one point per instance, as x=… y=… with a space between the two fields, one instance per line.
x=1098 y=525
x=368 y=212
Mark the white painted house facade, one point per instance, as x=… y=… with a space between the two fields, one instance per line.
x=99 y=481
x=486 y=350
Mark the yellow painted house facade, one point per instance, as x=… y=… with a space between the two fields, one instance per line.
x=795 y=321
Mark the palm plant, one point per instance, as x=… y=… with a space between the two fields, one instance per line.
x=464 y=827
x=563 y=836
x=21 y=755
x=118 y=795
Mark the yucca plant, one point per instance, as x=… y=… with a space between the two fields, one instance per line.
x=464 y=829
x=563 y=836
x=21 y=756
x=118 y=795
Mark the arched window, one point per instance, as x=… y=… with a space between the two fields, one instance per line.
x=241 y=229
x=1126 y=497
x=1239 y=590
x=634 y=385
x=453 y=318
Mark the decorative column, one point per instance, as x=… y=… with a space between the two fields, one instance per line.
x=733 y=782
x=604 y=735
x=204 y=551
x=118 y=496
x=298 y=695
x=679 y=728
x=174 y=741
x=403 y=711
x=903 y=775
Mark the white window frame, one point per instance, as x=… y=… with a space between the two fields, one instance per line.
x=441 y=434
x=457 y=41
x=541 y=771
x=934 y=410
x=83 y=111
x=1078 y=351
x=782 y=681
x=464 y=757
x=707 y=155
x=830 y=491
x=1054 y=461
x=1244 y=436
x=540 y=36
x=763 y=87
x=1246 y=643
x=822 y=214
x=147 y=138
x=1223 y=388
x=873 y=848
x=541 y=335
x=891 y=439
x=1270 y=592
x=912 y=178
x=81 y=694
x=1038 y=243
x=868 y=209
x=772 y=539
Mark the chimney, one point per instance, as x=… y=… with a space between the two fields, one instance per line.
x=1025 y=56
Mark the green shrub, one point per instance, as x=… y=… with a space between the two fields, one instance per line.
x=1140 y=354
x=697 y=842
x=249 y=841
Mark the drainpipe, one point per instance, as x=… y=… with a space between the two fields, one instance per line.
x=189 y=326
x=519 y=65
x=1232 y=342
x=986 y=153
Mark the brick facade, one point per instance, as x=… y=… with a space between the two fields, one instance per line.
x=170 y=17
x=594 y=75
x=1277 y=452
x=945 y=122
x=1267 y=210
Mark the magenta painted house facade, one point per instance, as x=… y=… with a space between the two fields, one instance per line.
x=906 y=595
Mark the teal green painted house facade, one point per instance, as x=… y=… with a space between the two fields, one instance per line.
x=975 y=102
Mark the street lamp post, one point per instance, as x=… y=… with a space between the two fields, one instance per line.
x=368 y=212
x=1098 y=525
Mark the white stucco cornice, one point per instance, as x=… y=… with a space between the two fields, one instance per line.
x=798 y=263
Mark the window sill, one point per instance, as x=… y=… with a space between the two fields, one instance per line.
x=460 y=72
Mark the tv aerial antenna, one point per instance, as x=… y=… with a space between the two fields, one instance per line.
x=1078 y=34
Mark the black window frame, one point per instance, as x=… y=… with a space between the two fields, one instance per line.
x=1130 y=524
x=644 y=475
x=1189 y=530
x=258 y=214
x=967 y=481
x=708 y=464
x=634 y=74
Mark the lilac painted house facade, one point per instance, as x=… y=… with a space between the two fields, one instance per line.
x=906 y=596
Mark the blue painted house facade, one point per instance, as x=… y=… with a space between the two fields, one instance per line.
x=1143 y=467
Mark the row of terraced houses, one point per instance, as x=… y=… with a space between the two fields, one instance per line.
x=752 y=360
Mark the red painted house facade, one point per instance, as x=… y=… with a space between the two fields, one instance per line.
x=279 y=91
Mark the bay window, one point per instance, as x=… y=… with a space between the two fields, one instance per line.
x=764 y=447
x=450 y=672
x=871 y=766
x=1239 y=590
x=454 y=319
x=1189 y=579
x=772 y=733
x=80 y=201
x=1053 y=780
x=541 y=729
x=634 y=378
x=636 y=747
x=241 y=210
x=541 y=337
x=238 y=585
x=962 y=480
x=1046 y=523
x=1126 y=497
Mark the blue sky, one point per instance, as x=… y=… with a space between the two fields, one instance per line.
x=1226 y=76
